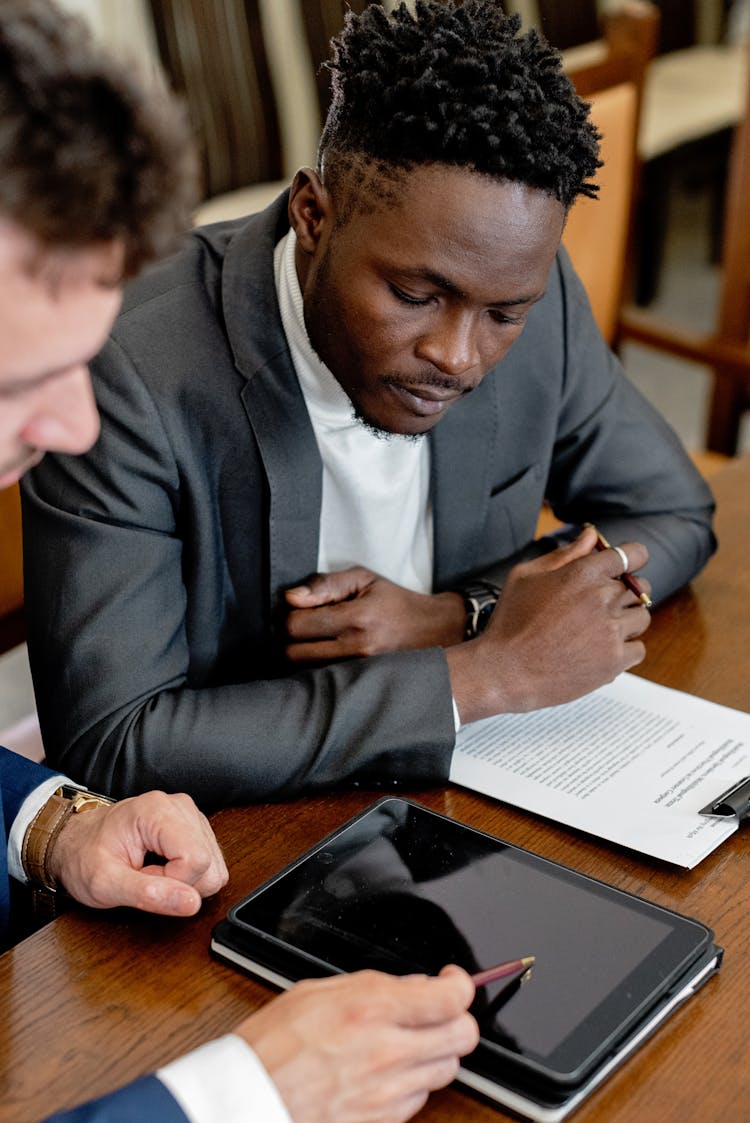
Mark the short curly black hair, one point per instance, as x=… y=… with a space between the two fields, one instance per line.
x=456 y=84
x=89 y=152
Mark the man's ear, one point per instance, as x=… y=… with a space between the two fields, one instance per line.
x=310 y=208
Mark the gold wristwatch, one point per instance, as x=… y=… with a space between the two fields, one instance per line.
x=46 y=826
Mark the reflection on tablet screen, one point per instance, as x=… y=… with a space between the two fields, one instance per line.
x=403 y=890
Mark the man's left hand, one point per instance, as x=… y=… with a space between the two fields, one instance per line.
x=99 y=854
x=356 y=612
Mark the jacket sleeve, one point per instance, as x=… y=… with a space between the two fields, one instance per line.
x=18 y=778
x=613 y=459
x=145 y=672
x=145 y=1099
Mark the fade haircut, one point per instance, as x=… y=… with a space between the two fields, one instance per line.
x=88 y=152
x=451 y=84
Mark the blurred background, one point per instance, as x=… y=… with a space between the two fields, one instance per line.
x=668 y=261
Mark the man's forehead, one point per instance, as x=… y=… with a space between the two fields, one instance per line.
x=464 y=225
x=23 y=255
x=384 y=184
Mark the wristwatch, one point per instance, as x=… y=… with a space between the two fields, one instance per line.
x=480 y=598
x=46 y=826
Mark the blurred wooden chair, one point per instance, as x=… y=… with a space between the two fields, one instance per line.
x=214 y=55
x=297 y=36
x=727 y=348
x=12 y=624
x=609 y=73
x=693 y=96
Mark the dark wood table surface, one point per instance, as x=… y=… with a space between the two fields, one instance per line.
x=94 y=1000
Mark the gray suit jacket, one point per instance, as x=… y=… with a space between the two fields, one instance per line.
x=156 y=562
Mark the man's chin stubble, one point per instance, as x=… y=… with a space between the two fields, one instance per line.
x=378 y=431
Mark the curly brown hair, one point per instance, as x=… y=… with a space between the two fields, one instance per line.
x=89 y=152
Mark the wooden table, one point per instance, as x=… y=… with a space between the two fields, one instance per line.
x=94 y=1000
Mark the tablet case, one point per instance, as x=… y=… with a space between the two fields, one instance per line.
x=519 y=1085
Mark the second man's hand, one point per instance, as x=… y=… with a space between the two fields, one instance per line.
x=564 y=625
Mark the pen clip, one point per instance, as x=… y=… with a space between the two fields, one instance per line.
x=733 y=802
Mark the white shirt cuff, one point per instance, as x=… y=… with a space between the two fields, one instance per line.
x=456 y=715
x=224 y=1082
x=34 y=800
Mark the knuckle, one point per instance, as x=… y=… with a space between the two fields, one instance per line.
x=184 y=802
x=444 y=1072
x=469 y=1038
x=369 y=646
x=159 y=800
x=293 y=623
x=410 y=1107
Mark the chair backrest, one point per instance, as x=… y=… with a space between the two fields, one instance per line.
x=566 y=23
x=214 y=54
x=727 y=347
x=734 y=312
x=609 y=73
x=12 y=627
x=731 y=392
x=597 y=231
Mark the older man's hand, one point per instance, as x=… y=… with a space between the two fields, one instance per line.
x=99 y=855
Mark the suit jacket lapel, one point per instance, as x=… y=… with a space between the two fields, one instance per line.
x=280 y=422
x=272 y=398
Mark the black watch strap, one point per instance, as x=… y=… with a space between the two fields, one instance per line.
x=480 y=598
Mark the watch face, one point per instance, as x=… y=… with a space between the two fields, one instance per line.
x=483 y=616
x=480 y=600
x=83 y=799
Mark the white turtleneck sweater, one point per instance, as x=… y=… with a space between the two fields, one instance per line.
x=376 y=508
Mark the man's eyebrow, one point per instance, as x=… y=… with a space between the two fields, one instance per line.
x=449 y=286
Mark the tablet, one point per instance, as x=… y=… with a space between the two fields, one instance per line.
x=403 y=889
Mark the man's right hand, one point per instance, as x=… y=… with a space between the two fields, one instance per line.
x=364 y=1048
x=564 y=625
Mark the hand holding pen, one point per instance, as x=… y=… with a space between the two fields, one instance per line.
x=627 y=577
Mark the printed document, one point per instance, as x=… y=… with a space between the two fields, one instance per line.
x=632 y=762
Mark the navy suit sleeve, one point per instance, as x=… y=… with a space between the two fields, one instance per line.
x=18 y=778
x=145 y=1100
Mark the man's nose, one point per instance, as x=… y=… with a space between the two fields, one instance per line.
x=64 y=417
x=451 y=344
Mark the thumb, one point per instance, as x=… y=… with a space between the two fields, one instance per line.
x=581 y=547
x=151 y=889
x=329 y=588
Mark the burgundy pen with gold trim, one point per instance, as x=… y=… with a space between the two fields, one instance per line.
x=627 y=579
x=503 y=970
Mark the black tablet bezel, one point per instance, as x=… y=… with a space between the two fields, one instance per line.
x=577 y=1055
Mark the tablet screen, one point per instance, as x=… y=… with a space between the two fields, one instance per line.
x=404 y=889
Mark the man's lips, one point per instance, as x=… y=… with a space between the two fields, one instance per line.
x=426 y=400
